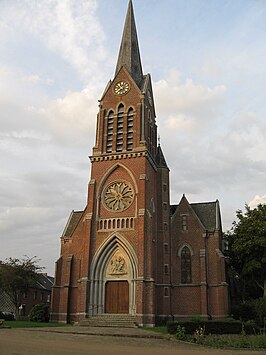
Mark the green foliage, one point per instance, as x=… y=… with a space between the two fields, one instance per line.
x=161 y=329
x=235 y=341
x=244 y=311
x=180 y=332
x=260 y=308
x=213 y=327
x=17 y=276
x=39 y=313
x=247 y=251
x=196 y=318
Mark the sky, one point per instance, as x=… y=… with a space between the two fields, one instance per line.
x=207 y=62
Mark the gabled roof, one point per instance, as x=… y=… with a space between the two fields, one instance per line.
x=207 y=212
x=129 y=55
x=72 y=223
x=45 y=282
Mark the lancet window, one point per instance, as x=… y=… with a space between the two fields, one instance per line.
x=186 y=265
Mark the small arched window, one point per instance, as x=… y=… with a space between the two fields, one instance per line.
x=130 y=129
x=110 y=129
x=120 y=128
x=186 y=265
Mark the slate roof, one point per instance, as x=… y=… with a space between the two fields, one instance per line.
x=6 y=305
x=207 y=212
x=129 y=55
x=172 y=209
x=72 y=223
x=45 y=282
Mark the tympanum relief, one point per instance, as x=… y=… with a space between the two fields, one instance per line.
x=117 y=265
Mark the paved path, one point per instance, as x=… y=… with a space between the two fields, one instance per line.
x=83 y=340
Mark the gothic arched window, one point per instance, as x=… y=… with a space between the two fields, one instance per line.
x=130 y=129
x=186 y=265
x=110 y=129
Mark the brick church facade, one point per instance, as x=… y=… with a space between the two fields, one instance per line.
x=130 y=251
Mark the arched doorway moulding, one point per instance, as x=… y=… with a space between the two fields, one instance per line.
x=115 y=242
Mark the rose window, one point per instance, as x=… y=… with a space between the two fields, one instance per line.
x=118 y=196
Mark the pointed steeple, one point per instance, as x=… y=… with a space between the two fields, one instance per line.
x=129 y=55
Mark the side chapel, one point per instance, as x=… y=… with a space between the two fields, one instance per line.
x=130 y=252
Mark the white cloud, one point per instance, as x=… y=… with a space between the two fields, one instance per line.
x=36 y=79
x=257 y=200
x=70 y=118
x=69 y=28
x=187 y=105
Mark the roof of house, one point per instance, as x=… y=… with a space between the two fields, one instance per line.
x=207 y=212
x=45 y=282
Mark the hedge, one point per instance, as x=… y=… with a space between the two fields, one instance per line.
x=213 y=327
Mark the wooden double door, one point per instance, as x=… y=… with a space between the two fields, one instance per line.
x=116 y=297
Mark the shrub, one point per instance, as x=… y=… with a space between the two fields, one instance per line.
x=214 y=327
x=180 y=332
x=39 y=313
x=244 y=311
x=260 y=308
x=235 y=341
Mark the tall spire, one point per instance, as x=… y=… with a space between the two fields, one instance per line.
x=129 y=55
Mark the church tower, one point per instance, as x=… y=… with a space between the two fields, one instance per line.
x=116 y=255
x=112 y=246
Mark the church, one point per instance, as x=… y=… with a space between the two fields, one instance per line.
x=130 y=252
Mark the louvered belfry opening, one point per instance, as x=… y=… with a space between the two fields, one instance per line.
x=130 y=129
x=120 y=128
x=110 y=130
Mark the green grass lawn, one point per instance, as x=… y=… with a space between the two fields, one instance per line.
x=27 y=324
x=162 y=329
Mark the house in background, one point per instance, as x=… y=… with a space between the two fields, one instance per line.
x=39 y=294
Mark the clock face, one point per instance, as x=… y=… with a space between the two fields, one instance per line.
x=121 y=88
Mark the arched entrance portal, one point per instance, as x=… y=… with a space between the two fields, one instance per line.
x=113 y=278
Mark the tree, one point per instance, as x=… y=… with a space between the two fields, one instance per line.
x=247 y=249
x=17 y=276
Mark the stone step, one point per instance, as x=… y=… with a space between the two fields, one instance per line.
x=110 y=320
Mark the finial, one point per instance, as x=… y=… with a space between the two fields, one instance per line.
x=159 y=140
